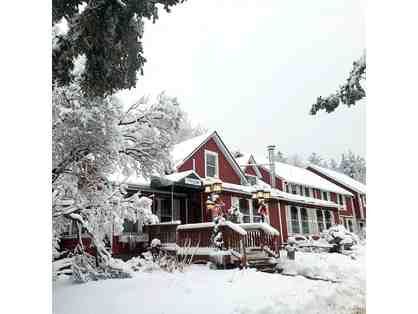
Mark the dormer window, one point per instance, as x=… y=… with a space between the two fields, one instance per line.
x=211 y=164
x=252 y=180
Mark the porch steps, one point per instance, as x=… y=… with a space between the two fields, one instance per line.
x=257 y=258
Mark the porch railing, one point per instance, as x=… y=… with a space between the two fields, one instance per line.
x=199 y=235
x=165 y=232
x=261 y=236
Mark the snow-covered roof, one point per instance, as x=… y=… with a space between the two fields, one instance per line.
x=341 y=178
x=184 y=149
x=278 y=194
x=302 y=176
x=177 y=176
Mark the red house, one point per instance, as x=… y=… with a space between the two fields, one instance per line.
x=301 y=201
x=355 y=214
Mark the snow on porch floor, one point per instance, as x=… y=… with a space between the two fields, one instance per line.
x=202 y=290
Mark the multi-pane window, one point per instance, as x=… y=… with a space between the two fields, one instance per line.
x=301 y=190
x=294 y=219
x=293 y=186
x=320 y=220
x=244 y=208
x=130 y=226
x=252 y=180
x=307 y=191
x=211 y=162
x=304 y=219
x=165 y=210
x=327 y=219
x=340 y=199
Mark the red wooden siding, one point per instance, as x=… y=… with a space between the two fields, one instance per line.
x=274 y=214
x=250 y=170
x=265 y=175
x=226 y=172
x=284 y=221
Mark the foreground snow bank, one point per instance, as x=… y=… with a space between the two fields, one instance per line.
x=205 y=291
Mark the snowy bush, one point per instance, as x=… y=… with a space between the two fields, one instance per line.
x=340 y=238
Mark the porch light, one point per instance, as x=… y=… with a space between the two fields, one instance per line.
x=267 y=195
x=213 y=186
x=217 y=187
x=260 y=194
x=208 y=188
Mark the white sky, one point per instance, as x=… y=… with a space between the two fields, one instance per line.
x=251 y=70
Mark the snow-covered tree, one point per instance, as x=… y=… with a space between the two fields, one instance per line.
x=354 y=166
x=92 y=139
x=280 y=157
x=349 y=93
x=109 y=34
x=188 y=130
x=296 y=160
x=315 y=159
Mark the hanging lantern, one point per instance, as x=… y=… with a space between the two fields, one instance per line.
x=217 y=187
x=208 y=188
x=267 y=195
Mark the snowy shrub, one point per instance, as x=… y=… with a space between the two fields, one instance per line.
x=84 y=269
x=340 y=238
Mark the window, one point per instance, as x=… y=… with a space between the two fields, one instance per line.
x=252 y=180
x=305 y=221
x=325 y=196
x=129 y=226
x=244 y=208
x=320 y=220
x=301 y=190
x=165 y=210
x=211 y=164
x=327 y=219
x=256 y=215
x=248 y=209
x=340 y=199
x=350 y=226
x=306 y=191
x=293 y=186
x=294 y=219
x=287 y=187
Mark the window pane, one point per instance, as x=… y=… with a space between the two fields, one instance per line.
x=129 y=226
x=320 y=220
x=325 y=195
x=244 y=206
x=327 y=219
x=295 y=219
x=305 y=222
x=211 y=159
x=210 y=171
x=306 y=191
x=340 y=199
x=246 y=218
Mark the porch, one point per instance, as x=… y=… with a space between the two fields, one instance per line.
x=245 y=244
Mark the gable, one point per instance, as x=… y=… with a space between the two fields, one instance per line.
x=227 y=169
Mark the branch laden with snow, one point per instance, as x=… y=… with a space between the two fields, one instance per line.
x=348 y=94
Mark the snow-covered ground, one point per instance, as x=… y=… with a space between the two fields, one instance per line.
x=205 y=291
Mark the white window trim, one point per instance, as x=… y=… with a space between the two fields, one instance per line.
x=215 y=154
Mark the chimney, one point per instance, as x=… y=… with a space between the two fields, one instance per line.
x=271 y=151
